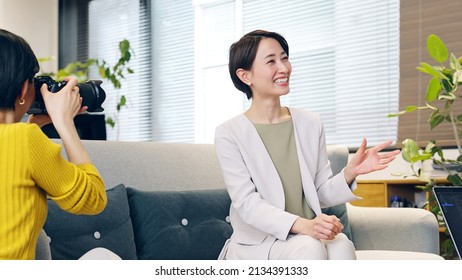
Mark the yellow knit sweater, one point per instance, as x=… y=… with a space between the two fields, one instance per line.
x=32 y=168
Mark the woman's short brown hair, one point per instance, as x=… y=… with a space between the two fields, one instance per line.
x=242 y=55
x=17 y=64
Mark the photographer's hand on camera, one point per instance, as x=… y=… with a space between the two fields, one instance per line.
x=62 y=107
x=56 y=103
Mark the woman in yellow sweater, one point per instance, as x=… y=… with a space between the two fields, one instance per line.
x=31 y=166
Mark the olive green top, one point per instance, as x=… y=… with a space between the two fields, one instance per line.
x=279 y=140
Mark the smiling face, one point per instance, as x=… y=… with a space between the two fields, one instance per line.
x=270 y=72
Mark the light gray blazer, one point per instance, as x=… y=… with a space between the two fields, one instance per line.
x=257 y=209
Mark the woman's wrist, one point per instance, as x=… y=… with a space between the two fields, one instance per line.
x=63 y=126
x=349 y=175
x=300 y=226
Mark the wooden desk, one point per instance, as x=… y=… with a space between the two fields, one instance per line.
x=378 y=193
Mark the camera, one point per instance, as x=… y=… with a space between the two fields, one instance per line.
x=91 y=92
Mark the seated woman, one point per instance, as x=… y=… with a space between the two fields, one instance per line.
x=275 y=167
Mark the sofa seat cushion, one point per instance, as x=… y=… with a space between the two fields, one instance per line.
x=179 y=225
x=71 y=235
x=395 y=255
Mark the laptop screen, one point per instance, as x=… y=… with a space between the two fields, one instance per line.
x=450 y=202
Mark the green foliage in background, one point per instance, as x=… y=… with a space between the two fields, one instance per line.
x=442 y=99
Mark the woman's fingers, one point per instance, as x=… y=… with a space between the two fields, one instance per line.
x=327 y=227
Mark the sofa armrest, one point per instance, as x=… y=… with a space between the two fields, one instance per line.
x=399 y=229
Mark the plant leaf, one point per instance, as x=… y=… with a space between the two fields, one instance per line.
x=432 y=71
x=45 y=59
x=124 y=46
x=447 y=96
x=123 y=100
x=436 y=48
x=435 y=119
x=110 y=122
x=421 y=69
x=412 y=153
x=430 y=147
x=455 y=179
x=448 y=86
x=433 y=89
x=453 y=62
x=458 y=78
x=408 y=109
x=409 y=149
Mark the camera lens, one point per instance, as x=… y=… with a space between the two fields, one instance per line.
x=92 y=95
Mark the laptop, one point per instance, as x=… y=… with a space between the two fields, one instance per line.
x=450 y=201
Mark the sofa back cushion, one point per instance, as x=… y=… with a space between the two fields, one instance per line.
x=338 y=157
x=179 y=225
x=156 y=166
x=73 y=235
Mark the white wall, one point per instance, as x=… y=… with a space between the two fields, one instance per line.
x=37 y=22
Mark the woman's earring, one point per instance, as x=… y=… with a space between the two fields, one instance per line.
x=22 y=101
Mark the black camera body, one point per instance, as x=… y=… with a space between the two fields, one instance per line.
x=91 y=92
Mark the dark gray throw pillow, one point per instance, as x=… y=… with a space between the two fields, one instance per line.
x=73 y=235
x=179 y=225
x=341 y=212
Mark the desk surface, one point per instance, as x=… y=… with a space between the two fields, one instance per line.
x=401 y=181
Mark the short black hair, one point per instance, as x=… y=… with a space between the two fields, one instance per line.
x=243 y=52
x=17 y=64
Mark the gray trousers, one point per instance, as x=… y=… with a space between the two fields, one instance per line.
x=304 y=247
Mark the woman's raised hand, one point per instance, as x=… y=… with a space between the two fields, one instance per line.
x=369 y=160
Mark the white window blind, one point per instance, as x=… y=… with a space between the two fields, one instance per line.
x=109 y=23
x=173 y=106
x=366 y=71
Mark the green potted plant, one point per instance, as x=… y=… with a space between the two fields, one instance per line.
x=441 y=98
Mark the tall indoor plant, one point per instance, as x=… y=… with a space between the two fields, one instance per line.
x=442 y=98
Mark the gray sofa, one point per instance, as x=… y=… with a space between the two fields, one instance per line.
x=168 y=201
